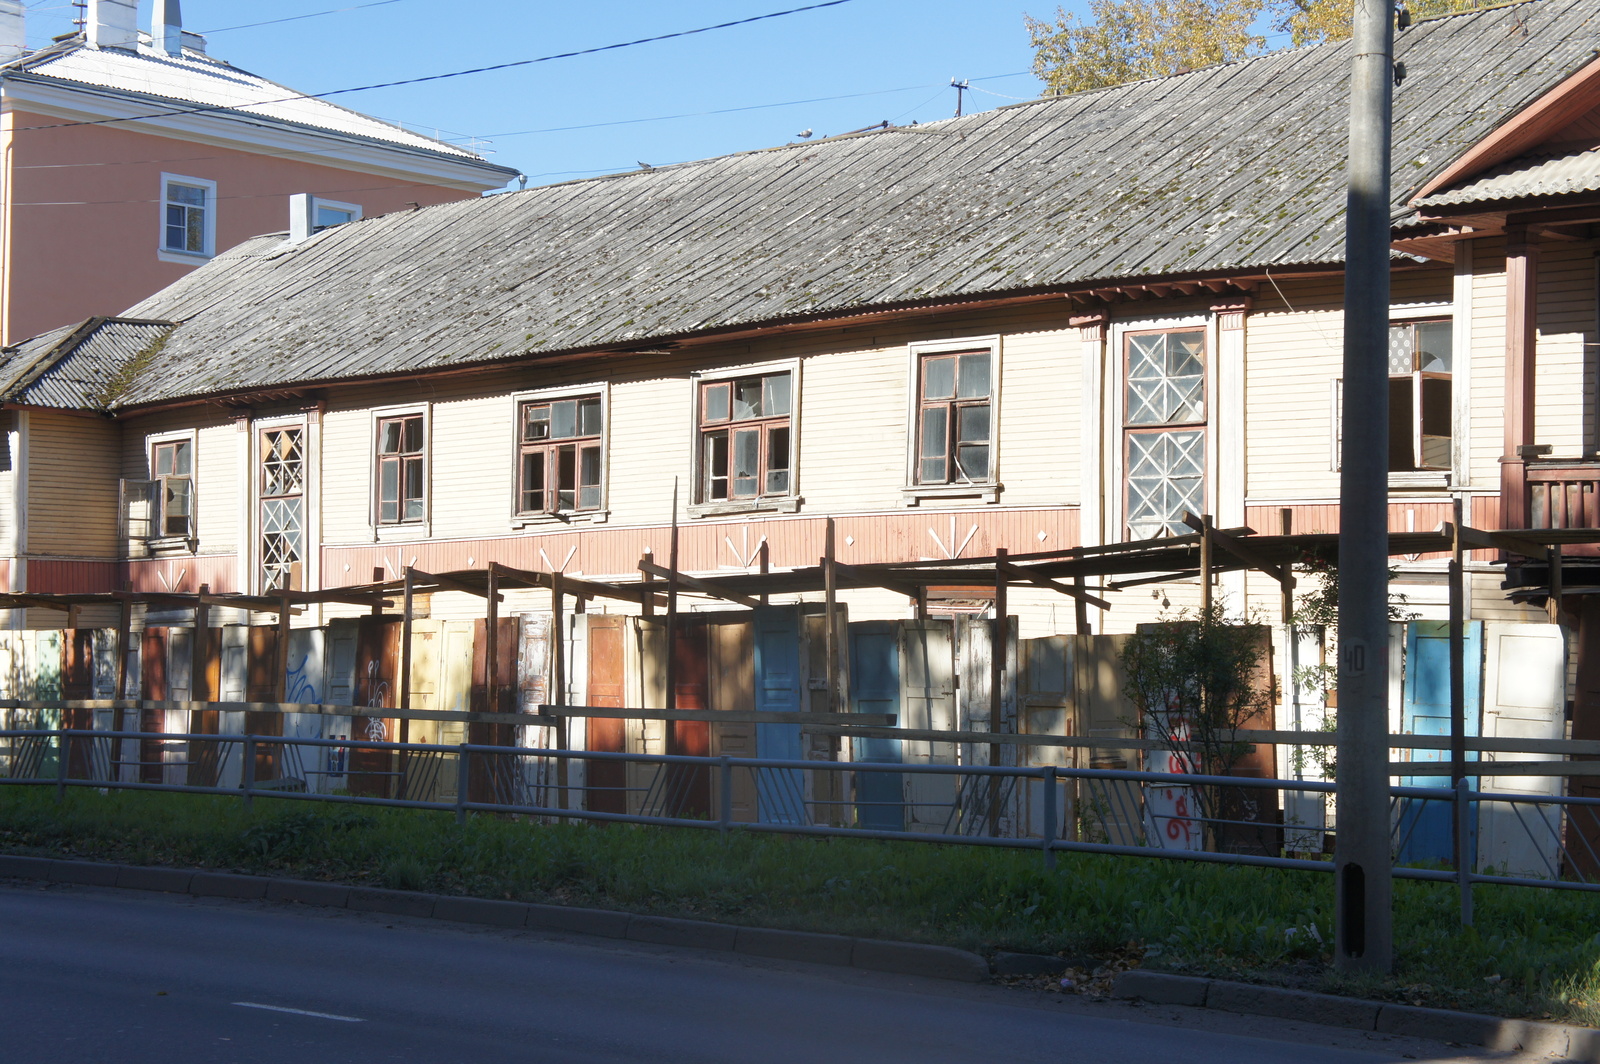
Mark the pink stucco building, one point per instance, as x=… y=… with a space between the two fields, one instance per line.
x=129 y=157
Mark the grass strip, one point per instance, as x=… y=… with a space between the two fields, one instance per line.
x=1532 y=953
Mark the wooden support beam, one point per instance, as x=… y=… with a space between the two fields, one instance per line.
x=491 y=648
x=1180 y=574
x=707 y=587
x=405 y=639
x=558 y=636
x=764 y=563
x=200 y=645
x=450 y=583
x=1557 y=585
x=672 y=606
x=573 y=584
x=1075 y=590
x=830 y=599
x=724 y=716
x=1240 y=549
x=1286 y=586
x=280 y=677
x=1205 y=564
x=856 y=576
x=1080 y=606
x=1458 y=675
x=649 y=599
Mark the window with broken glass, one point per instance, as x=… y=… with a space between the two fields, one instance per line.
x=1420 y=359
x=745 y=443
x=281 y=487
x=953 y=418
x=172 y=474
x=402 y=470
x=559 y=442
x=1164 y=430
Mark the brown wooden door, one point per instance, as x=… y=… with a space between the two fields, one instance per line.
x=377 y=687
x=261 y=685
x=77 y=684
x=687 y=791
x=606 y=781
x=152 y=688
x=491 y=777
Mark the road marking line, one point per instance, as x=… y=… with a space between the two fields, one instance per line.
x=300 y=1012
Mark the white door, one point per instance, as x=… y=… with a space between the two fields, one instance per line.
x=1524 y=697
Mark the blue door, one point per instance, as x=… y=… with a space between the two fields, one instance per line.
x=875 y=688
x=1423 y=827
x=780 y=793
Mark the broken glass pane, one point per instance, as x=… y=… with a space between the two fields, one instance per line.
x=746 y=398
x=1434 y=346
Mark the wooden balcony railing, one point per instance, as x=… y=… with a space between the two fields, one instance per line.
x=1564 y=494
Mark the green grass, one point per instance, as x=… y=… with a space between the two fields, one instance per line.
x=1235 y=922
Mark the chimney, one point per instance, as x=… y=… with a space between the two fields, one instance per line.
x=13 y=41
x=112 y=24
x=166 y=27
x=302 y=217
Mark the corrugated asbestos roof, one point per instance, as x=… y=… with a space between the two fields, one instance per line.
x=79 y=367
x=1232 y=167
x=1529 y=175
x=199 y=78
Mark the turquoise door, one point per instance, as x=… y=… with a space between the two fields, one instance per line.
x=1423 y=827
x=875 y=688
x=780 y=793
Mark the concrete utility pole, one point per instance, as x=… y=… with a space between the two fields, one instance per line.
x=1362 y=916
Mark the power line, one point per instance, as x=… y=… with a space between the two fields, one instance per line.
x=441 y=77
x=297 y=18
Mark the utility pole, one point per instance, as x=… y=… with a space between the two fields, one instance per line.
x=1363 y=873
x=960 y=87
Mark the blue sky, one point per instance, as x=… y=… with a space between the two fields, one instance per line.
x=901 y=52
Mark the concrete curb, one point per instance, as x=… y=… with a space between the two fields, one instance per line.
x=901 y=958
x=1467 y=1028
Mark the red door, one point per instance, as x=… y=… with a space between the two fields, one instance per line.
x=491 y=777
x=606 y=781
x=377 y=671
x=261 y=685
x=77 y=684
x=688 y=787
x=152 y=688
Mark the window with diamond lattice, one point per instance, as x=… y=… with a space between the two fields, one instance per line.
x=1164 y=430
x=282 y=496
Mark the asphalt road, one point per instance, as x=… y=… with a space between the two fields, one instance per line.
x=102 y=976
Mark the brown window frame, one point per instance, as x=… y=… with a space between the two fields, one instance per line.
x=719 y=423
x=1195 y=424
x=951 y=409
x=546 y=453
x=408 y=458
x=165 y=489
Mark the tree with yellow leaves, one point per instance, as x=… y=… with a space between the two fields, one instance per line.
x=1128 y=40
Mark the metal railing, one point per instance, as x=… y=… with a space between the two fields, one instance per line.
x=1555 y=841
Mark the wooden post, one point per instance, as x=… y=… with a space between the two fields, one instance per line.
x=405 y=648
x=1205 y=564
x=1458 y=683
x=280 y=679
x=1080 y=608
x=1557 y=584
x=124 y=624
x=764 y=553
x=199 y=646
x=830 y=599
x=648 y=607
x=377 y=578
x=491 y=648
x=672 y=606
x=558 y=636
x=1285 y=524
x=1522 y=315
x=997 y=679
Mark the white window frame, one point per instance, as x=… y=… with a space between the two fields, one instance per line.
x=409 y=530
x=598 y=516
x=251 y=496
x=1116 y=428
x=337 y=205
x=1459 y=399
x=987 y=491
x=789 y=503
x=187 y=258
x=191 y=437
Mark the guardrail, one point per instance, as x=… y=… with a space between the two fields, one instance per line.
x=1215 y=819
